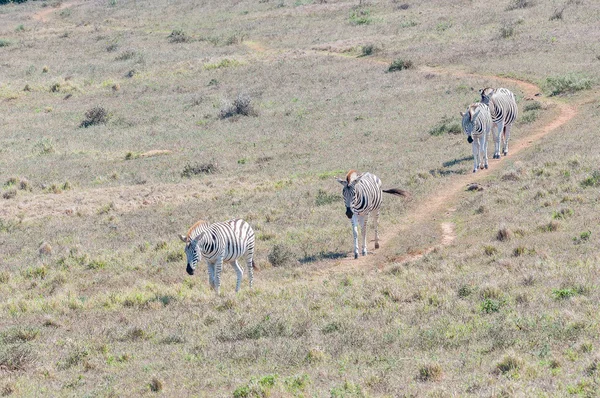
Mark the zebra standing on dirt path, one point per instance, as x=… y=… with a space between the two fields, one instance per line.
x=220 y=242
x=504 y=111
x=362 y=195
x=476 y=124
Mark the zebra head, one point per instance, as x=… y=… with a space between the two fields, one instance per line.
x=486 y=94
x=349 y=191
x=468 y=120
x=192 y=252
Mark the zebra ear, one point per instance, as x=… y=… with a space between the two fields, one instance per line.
x=183 y=238
x=343 y=182
x=462 y=114
x=356 y=180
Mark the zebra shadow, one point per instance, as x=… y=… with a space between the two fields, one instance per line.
x=454 y=162
x=322 y=256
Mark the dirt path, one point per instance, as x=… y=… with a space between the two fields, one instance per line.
x=435 y=207
x=45 y=13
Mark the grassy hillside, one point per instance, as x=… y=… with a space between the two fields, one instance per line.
x=125 y=122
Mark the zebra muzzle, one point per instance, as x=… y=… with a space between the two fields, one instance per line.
x=470 y=140
x=189 y=270
x=349 y=213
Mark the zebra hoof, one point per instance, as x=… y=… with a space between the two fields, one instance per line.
x=475 y=171
x=505 y=153
x=376 y=245
x=486 y=166
x=355 y=256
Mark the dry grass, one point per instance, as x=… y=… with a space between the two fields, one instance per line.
x=109 y=310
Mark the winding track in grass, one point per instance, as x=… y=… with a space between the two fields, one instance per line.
x=431 y=208
x=436 y=207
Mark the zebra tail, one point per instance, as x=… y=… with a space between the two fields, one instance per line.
x=254 y=266
x=397 y=192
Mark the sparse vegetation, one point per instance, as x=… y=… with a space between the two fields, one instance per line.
x=280 y=255
x=179 y=36
x=400 y=64
x=361 y=16
x=199 y=168
x=567 y=84
x=242 y=105
x=520 y=4
x=446 y=126
x=94 y=116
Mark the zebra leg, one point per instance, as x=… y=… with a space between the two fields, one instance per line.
x=211 y=275
x=376 y=219
x=249 y=261
x=355 y=235
x=484 y=138
x=501 y=134
x=240 y=273
x=363 y=229
x=507 y=137
x=218 y=269
x=496 y=133
x=475 y=155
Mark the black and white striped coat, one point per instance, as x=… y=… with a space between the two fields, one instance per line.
x=363 y=195
x=476 y=124
x=220 y=242
x=504 y=111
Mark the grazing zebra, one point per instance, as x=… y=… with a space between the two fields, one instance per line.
x=362 y=195
x=504 y=111
x=476 y=124
x=220 y=242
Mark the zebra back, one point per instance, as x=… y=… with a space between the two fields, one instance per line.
x=230 y=239
x=502 y=103
x=367 y=194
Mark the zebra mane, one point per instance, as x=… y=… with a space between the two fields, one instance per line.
x=351 y=176
x=193 y=229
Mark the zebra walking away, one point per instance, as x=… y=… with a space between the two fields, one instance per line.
x=504 y=111
x=476 y=124
x=362 y=195
x=220 y=242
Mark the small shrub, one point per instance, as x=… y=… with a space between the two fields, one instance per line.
x=4 y=43
x=361 y=17
x=582 y=238
x=45 y=249
x=199 y=168
x=528 y=117
x=532 y=106
x=156 y=385
x=504 y=234
x=11 y=193
x=16 y=358
x=552 y=226
x=509 y=364
x=507 y=30
x=125 y=55
x=368 y=49
x=446 y=126
x=465 y=291
x=95 y=116
x=562 y=214
x=242 y=105
x=558 y=13
x=593 y=180
x=323 y=198
x=224 y=63
x=490 y=250
x=112 y=47
x=519 y=4
x=489 y=306
x=563 y=294
x=432 y=372
x=280 y=255
x=567 y=84
x=44 y=146
x=400 y=64
x=174 y=257
x=179 y=36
